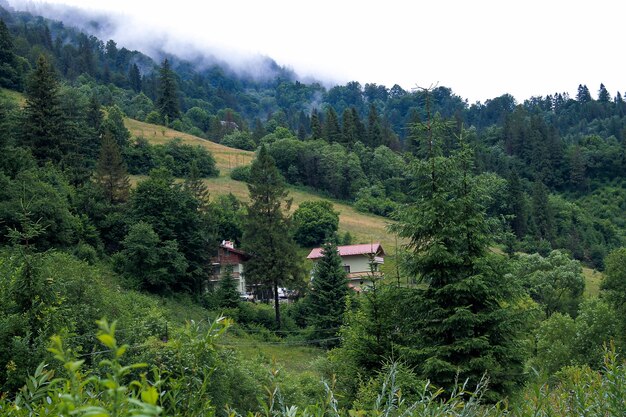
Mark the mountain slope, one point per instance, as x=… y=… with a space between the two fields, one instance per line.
x=364 y=227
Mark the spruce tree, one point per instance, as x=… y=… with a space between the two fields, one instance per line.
x=10 y=76
x=316 y=125
x=332 y=131
x=543 y=217
x=134 y=78
x=111 y=174
x=44 y=122
x=167 y=101
x=374 y=130
x=227 y=293
x=464 y=324
x=327 y=299
x=267 y=235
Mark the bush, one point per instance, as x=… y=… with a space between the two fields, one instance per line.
x=241 y=173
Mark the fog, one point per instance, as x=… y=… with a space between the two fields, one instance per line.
x=480 y=49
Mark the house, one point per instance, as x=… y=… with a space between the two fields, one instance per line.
x=358 y=261
x=228 y=255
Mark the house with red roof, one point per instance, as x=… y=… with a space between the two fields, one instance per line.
x=228 y=255
x=358 y=262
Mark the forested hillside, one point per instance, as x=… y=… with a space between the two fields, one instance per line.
x=121 y=174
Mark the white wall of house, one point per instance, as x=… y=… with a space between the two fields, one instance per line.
x=357 y=263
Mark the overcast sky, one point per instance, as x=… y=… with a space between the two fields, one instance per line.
x=481 y=49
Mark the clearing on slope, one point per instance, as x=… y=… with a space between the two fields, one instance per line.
x=225 y=158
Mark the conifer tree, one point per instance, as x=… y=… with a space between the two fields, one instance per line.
x=227 y=293
x=111 y=174
x=167 y=100
x=332 y=131
x=44 y=122
x=10 y=76
x=114 y=124
x=94 y=114
x=327 y=299
x=134 y=78
x=463 y=326
x=349 y=134
x=316 y=125
x=374 y=131
x=267 y=236
x=543 y=217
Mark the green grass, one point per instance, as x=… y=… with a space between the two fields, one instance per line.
x=593 y=280
x=226 y=158
x=365 y=228
x=293 y=358
x=14 y=95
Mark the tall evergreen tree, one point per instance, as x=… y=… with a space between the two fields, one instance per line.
x=332 y=131
x=44 y=123
x=327 y=299
x=227 y=294
x=463 y=321
x=349 y=134
x=10 y=76
x=111 y=174
x=267 y=236
x=94 y=116
x=374 y=131
x=114 y=123
x=583 y=95
x=134 y=78
x=603 y=95
x=316 y=125
x=167 y=100
x=543 y=217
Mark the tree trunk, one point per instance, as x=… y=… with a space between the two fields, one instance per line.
x=276 y=305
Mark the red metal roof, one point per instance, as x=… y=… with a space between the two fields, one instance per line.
x=352 y=250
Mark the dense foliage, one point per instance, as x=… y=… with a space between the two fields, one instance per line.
x=81 y=240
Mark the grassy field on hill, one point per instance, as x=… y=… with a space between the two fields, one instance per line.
x=226 y=158
x=364 y=227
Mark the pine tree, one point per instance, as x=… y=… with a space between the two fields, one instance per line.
x=44 y=122
x=114 y=124
x=227 y=294
x=10 y=76
x=258 y=131
x=94 y=114
x=316 y=126
x=111 y=174
x=349 y=134
x=603 y=95
x=134 y=78
x=327 y=299
x=167 y=100
x=543 y=217
x=267 y=236
x=332 y=131
x=463 y=324
x=374 y=131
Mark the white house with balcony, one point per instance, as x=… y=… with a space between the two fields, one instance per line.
x=358 y=262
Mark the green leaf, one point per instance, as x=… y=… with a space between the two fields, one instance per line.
x=107 y=340
x=150 y=396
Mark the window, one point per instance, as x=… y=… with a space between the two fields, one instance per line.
x=346 y=268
